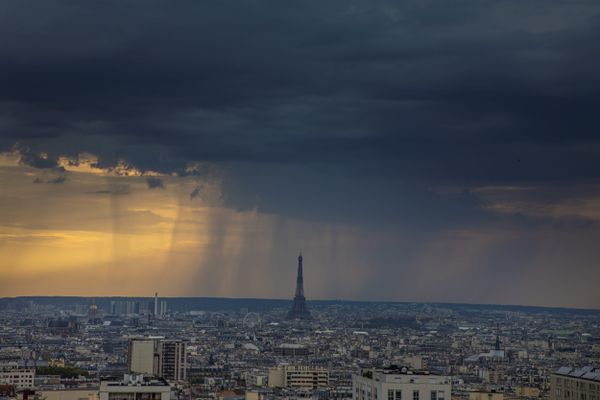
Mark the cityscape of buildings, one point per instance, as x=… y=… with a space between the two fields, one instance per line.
x=442 y=153
x=61 y=348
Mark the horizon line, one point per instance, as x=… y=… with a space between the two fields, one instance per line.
x=313 y=300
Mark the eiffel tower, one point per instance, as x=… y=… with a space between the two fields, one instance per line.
x=299 y=310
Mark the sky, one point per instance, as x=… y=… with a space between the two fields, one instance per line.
x=415 y=150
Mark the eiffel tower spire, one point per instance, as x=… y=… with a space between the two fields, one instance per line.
x=299 y=309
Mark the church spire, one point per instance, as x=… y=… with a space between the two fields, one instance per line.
x=497 y=347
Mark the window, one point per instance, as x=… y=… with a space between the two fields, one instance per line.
x=415 y=395
x=390 y=394
x=440 y=395
x=433 y=395
x=398 y=395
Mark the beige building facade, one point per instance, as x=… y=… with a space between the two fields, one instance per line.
x=486 y=396
x=135 y=387
x=158 y=357
x=70 y=394
x=400 y=385
x=22 y=378
x=299 y=377
x=575 y=384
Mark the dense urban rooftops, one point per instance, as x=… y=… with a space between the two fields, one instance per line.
x=587 y=372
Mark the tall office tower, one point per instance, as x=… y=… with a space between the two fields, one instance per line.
x=573 y=384
x=299 y=309
x=155 y=303
x=158 y=357
x=172 y=360
x=163 y=308
x=141 y=356
x=93 y=311
x=143 y=308
x=132 y=307
x=400 y=384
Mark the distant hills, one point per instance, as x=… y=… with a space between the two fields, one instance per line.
x=185 y=304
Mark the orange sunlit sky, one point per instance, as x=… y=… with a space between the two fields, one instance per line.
x=100 y=233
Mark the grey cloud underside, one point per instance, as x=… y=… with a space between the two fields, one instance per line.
x=119 y=191
x=334 y=109
x=57 y=180
x=154 y=183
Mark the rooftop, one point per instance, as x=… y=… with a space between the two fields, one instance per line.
x=136 y=380
x=588 y=372
x=292 y=346
x=402 y=375
x=396 y=370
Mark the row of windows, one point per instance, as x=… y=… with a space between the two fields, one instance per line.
x=134 y=396
x=394 y=394
x=577 y=384
x=397 y=395
x=569 y=394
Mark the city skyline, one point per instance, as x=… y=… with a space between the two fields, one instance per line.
x=313 y=200
x=199 y=349
x=416 y=151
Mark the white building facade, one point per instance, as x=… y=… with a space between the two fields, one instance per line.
x=159 y=357
x=142 y=357
x=135 y=387
x=21 y=378
x=299 y=377
x=400 y=385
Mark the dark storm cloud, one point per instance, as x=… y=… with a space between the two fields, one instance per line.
x=120 y=190
x=50 y=179
x=342 y=195
x=195 y=193
x=339 y=109
x=154 y=183
x=32 y=159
